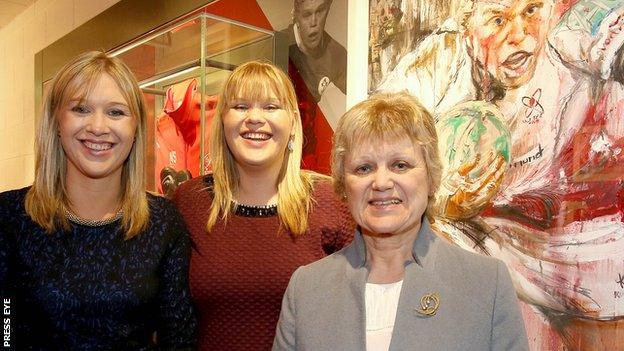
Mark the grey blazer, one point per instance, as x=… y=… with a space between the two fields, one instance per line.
x=323 y=307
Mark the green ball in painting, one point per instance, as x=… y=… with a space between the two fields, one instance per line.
x=475 y=148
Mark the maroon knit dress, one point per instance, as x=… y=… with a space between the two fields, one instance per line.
x=239 y=271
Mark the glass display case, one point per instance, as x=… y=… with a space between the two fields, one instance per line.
x=180 y=68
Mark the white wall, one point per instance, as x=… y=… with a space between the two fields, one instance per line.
x=357 y=52
x=37 y=27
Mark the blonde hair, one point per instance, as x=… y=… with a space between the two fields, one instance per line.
x=256 y=80
x=47 y=200
x=386 y=117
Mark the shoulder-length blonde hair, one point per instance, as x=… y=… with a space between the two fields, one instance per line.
x=47 y=200
x=256 y=80
x=385 y=117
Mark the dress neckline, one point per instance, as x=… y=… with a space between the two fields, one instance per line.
x=255 y=210
x=244 y=210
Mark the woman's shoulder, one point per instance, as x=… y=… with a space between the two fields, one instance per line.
x=326 y=271
x=192 y=187
x=321 y=183
x=330 y=214
x=159 y=204
x=13 y=200
x=194 y=197
x=165 y=219
x=15 y=194
x=322 y=190
x=476 y=266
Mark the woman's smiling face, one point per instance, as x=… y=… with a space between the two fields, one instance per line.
x=257 y=132
x=97 y=132
x=386 y=186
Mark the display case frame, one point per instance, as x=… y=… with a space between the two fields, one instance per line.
x=200 y=46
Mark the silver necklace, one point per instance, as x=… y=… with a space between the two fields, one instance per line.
x=92 y=222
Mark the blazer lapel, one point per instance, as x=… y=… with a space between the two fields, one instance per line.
x=415 y=322
x=356 y=275
x=412 y=322
x=420 y=280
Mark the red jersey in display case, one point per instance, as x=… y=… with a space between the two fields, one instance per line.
x=178 y=135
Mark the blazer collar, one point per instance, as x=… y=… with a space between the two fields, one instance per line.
x=420 y=279
x=423 y=250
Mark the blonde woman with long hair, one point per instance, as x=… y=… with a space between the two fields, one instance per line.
x=88 y=259
x=257 y=216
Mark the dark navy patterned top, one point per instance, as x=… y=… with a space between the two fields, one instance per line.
x=89 y=289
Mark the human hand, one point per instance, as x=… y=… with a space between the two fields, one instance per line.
x=474 y=146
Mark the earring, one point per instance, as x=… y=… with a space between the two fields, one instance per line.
x=291 y=145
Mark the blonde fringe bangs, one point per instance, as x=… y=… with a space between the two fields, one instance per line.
x=255 y=81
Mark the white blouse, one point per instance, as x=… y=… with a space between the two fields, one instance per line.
x=382 y=301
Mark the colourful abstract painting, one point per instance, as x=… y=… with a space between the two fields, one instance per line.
x=528 y=98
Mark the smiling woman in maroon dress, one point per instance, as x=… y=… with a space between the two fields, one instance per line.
x=258 y=216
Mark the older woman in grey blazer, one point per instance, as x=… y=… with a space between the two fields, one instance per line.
x=397 y=286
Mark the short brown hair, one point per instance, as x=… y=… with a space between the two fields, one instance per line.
x=384 y=117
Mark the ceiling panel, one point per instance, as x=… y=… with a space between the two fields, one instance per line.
x=9 y=9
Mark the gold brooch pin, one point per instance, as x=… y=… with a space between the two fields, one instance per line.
x=429 y=305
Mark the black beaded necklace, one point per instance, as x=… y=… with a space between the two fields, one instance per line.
x=242 y=209
x=255 y=210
